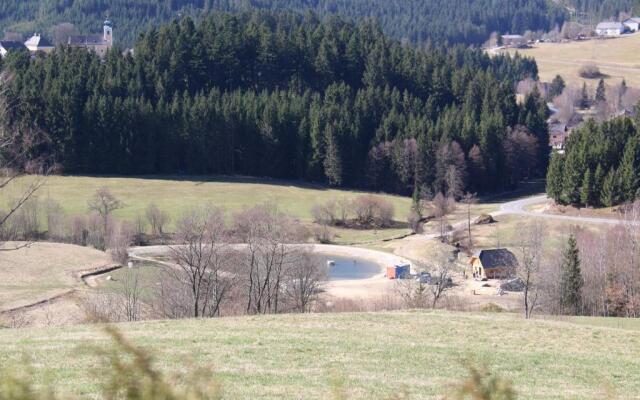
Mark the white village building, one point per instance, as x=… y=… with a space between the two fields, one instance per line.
x=610 y=29
x=632 y=24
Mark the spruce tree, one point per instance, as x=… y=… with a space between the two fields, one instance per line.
x=557 y=87
x=587 y=189
x=598 y=180
x=571 y=280
x=572 y=177
x=609 y=194
x=584 y=99
x=555 y=178
x=627 y=174
x=601 y=92
x=416 y=201
x=332 y=161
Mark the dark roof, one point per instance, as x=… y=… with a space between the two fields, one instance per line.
x=496 y=258
x=12 y=45
x=38 y=41
x=85 y=40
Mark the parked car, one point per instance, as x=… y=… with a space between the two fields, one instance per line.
x=436 y=281
x=423 y=277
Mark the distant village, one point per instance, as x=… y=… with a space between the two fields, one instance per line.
x=571 y=31
x=98 y=43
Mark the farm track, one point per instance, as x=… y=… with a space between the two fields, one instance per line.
x=86 y=277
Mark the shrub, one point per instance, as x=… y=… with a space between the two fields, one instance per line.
x=325 y=213
x=118 y=241
x=590 y=71
x=370 y=210
x=415 y=222
x=157 y=218
x=322 y=234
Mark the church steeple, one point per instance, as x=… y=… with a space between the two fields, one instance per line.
x=108 y=32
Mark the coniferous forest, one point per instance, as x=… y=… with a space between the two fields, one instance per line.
x=287 y=96
x=417 y=21
x=600 y=167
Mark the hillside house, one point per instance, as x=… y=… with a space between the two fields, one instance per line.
x=493 y=264
x=558 y=134
x=99 y=44
x=513 y=40
x=38 y=43
x=7 y=46
x=610 y=29
x=632 y=24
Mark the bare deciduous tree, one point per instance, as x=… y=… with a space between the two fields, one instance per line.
x=441 y=279
x=469 y=199
x=443 y=206
x=531 y=252
x=566 y=104
x=103 y=203
x=325 y=214
x=61 y=32
x=521 y=149
x=303 y=281
x=414 y=294
x=119 y=239
x=268 y=256
x=202 y=260
x=131 y=294
x=16 y=140
x=157 y=219
x=371 y=210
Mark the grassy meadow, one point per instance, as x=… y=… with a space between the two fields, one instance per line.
x=372 y=355
x=44 y=270
x=617 y=58
x=175 y=194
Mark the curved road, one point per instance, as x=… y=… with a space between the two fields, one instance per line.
x=517 y=207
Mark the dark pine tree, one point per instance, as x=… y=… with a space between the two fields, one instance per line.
x=571 y=280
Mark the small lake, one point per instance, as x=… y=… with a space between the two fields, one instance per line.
x=349 y=267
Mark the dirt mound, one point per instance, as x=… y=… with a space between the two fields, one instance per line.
x=484 y=219
x=513 y=285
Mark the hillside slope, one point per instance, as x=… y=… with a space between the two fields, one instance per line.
x=417 y=21
x=614 y=57
x=375 y=356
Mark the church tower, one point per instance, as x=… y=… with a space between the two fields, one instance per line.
x=108 y=33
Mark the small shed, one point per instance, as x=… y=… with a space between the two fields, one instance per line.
x=399 y=271
x=632 y=24
x=493 y=264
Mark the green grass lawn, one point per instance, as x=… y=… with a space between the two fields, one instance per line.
x=375 y=355
x=44 y=270
x=175 y=194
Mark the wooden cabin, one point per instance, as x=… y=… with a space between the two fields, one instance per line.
x=493 y=264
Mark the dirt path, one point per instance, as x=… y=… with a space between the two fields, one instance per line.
x=517 y=207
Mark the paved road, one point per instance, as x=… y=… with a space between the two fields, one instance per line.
x=518 y=207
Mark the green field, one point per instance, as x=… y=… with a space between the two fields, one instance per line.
x=616 y=58
x=375 y=355
x=175 y=194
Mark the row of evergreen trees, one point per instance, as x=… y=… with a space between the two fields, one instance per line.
x=287 y=96
x=418 y=21
x=600 y=166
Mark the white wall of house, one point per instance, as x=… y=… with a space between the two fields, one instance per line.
x=633 y=26
x=609 y=32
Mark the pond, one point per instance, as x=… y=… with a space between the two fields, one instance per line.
x=349 y=267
